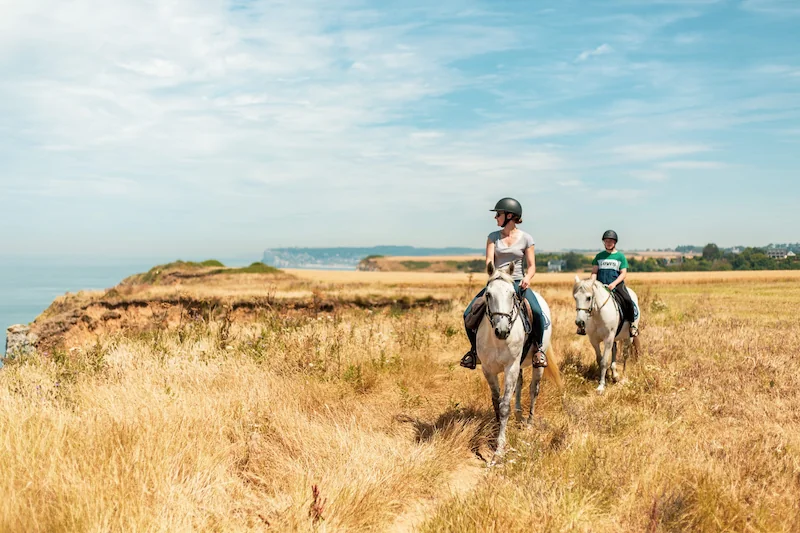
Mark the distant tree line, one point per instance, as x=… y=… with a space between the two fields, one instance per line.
x=711 y=257
x=574 y=261
x=714 y=258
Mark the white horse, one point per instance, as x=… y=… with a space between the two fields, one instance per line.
x=500 y=341
x=598 y=314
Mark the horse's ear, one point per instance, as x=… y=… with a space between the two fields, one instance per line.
x=577 y=279
x=510 y=269
x=490 y=268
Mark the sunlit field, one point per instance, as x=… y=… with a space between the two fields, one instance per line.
x=352 y=414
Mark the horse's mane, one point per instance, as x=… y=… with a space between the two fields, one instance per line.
x=585 y=284
x=499 y=274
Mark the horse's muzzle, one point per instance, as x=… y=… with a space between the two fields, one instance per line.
x=501 y=334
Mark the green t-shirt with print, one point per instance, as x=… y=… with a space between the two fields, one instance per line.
x=609 y=265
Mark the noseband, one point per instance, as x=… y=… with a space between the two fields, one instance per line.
x=512 y=316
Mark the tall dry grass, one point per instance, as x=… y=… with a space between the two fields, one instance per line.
x=344 y=421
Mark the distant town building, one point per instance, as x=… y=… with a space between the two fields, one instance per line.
x=736 y=250
x=556 y=265
x=779 y=253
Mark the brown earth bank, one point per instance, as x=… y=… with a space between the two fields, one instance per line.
x=177 y=297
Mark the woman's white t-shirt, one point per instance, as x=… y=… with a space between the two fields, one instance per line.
x=503 y=255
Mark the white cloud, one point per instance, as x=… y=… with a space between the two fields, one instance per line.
x=190 y=89
x=643 y=152
x=232 y=112
x=600 y=50
x=772 y=7
x=688 y=38
x=780 y=70
x=694 y=165
x=649 y=175
x=623 y=195
x=85 y=187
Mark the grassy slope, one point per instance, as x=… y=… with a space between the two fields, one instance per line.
x=227 y=426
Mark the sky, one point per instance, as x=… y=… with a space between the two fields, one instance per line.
x=216 y=128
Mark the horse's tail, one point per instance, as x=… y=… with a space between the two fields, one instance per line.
x=551 y=370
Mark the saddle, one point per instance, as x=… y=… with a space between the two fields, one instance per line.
x=527 y=323
x=473 y=319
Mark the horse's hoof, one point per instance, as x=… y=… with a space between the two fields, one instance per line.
x=600 y=390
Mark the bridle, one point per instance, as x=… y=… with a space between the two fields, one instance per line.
x=591 y=303
x=512 y=316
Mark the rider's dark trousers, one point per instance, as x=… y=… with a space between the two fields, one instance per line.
x=627 y=304
x=538 y=316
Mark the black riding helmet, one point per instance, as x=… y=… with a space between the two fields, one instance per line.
x=610 y=234
x=508 y=205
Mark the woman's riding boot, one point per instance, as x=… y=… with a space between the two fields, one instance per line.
x=539 y=359
x=470 y=359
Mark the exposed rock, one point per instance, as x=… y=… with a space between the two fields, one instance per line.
x=110 y=315
x=19 y=340
x=368 y=265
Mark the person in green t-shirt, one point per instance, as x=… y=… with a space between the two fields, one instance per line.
x=611 y=268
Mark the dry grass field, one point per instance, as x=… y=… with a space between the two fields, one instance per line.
x=358 y=418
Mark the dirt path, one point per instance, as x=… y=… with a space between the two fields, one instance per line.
x=460 y=482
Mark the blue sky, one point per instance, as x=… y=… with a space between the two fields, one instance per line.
x=215 y=128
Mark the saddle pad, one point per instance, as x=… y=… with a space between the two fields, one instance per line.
x=473 y=319
x=527 y=316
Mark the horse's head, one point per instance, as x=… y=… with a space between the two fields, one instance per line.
x=501 y=300
x=583 y=292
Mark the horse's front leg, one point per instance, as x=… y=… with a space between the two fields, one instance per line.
x=536 y=380
x=494 y=386
x=605 y=361
x=510 y=384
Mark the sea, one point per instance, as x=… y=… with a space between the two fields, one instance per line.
x=29 y=284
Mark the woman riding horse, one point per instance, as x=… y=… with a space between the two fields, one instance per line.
x=503 y=247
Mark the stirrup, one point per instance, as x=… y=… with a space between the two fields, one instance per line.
x=470 y=360
x=539 y=359
x=634 y=331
